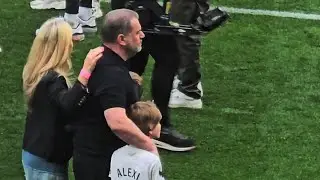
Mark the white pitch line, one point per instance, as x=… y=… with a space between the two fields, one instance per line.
x=272 y=13
x=264 y=12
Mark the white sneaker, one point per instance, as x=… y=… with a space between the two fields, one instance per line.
x=48 y=4
x=176 y=82
x=97 y=12
x=87 y=20
x=178 y=99
x=77 y=31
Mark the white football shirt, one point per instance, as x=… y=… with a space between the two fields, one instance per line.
x=131 y=163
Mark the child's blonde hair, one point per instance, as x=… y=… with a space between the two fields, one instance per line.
x=145 y=115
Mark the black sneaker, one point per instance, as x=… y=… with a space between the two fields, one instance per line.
x=172 y=140
x=211 y=19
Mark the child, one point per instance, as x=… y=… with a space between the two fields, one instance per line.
x=131 y=163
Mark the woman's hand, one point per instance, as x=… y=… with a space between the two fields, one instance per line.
x=92 y=57
x=89 y=64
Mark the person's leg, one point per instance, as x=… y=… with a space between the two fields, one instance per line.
x=86 y=3
x=38 y=168
x=71 y=16
x=187 y=93
x=164 y=51
x=87 y=19
x=72 y=6
x=93 y=168
x=97 y=12
x=117 y=4
x=80 y=16
x=189 y=69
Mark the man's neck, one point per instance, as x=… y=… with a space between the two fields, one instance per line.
x=118 y=50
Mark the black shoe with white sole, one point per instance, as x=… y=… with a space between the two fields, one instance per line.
x=172 y=140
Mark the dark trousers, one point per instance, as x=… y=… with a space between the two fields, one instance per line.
x=163 y=49
x=72 y=6
x=90 y=167
x=189 y=72
x=117 y=4
x=186 y=12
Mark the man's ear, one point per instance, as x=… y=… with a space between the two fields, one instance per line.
x=121 y=40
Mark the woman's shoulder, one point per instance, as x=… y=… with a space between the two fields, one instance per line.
x=52 y=76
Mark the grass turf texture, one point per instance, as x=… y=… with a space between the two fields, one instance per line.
x=261 y=103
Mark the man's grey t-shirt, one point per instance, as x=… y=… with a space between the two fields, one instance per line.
x=131 y=163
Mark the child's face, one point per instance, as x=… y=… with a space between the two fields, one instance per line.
x=156 y=131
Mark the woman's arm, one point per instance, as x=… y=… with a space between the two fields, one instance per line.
x=69 y=99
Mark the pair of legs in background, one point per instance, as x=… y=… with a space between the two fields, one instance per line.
x=187 y=89
x=80 y=14
x=61 y=4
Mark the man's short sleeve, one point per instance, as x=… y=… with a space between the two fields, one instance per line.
x=109 y=85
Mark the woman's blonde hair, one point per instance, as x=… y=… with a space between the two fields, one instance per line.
x=51 y=50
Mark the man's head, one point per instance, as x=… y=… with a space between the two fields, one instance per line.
x=121 y=27
x=147 y=117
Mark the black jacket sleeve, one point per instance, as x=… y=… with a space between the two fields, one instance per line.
x=68 y=99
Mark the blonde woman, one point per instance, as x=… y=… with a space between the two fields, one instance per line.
x=52 y=100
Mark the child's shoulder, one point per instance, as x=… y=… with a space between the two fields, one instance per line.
x=148 y=157
x=136 y=152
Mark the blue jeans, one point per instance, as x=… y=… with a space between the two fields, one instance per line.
x=36 y=168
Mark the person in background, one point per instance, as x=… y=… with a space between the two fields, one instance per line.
x=187 y=89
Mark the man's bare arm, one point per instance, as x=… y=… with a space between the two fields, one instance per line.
x=126 y=130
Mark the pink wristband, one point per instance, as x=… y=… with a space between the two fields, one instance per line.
x=84 y=73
